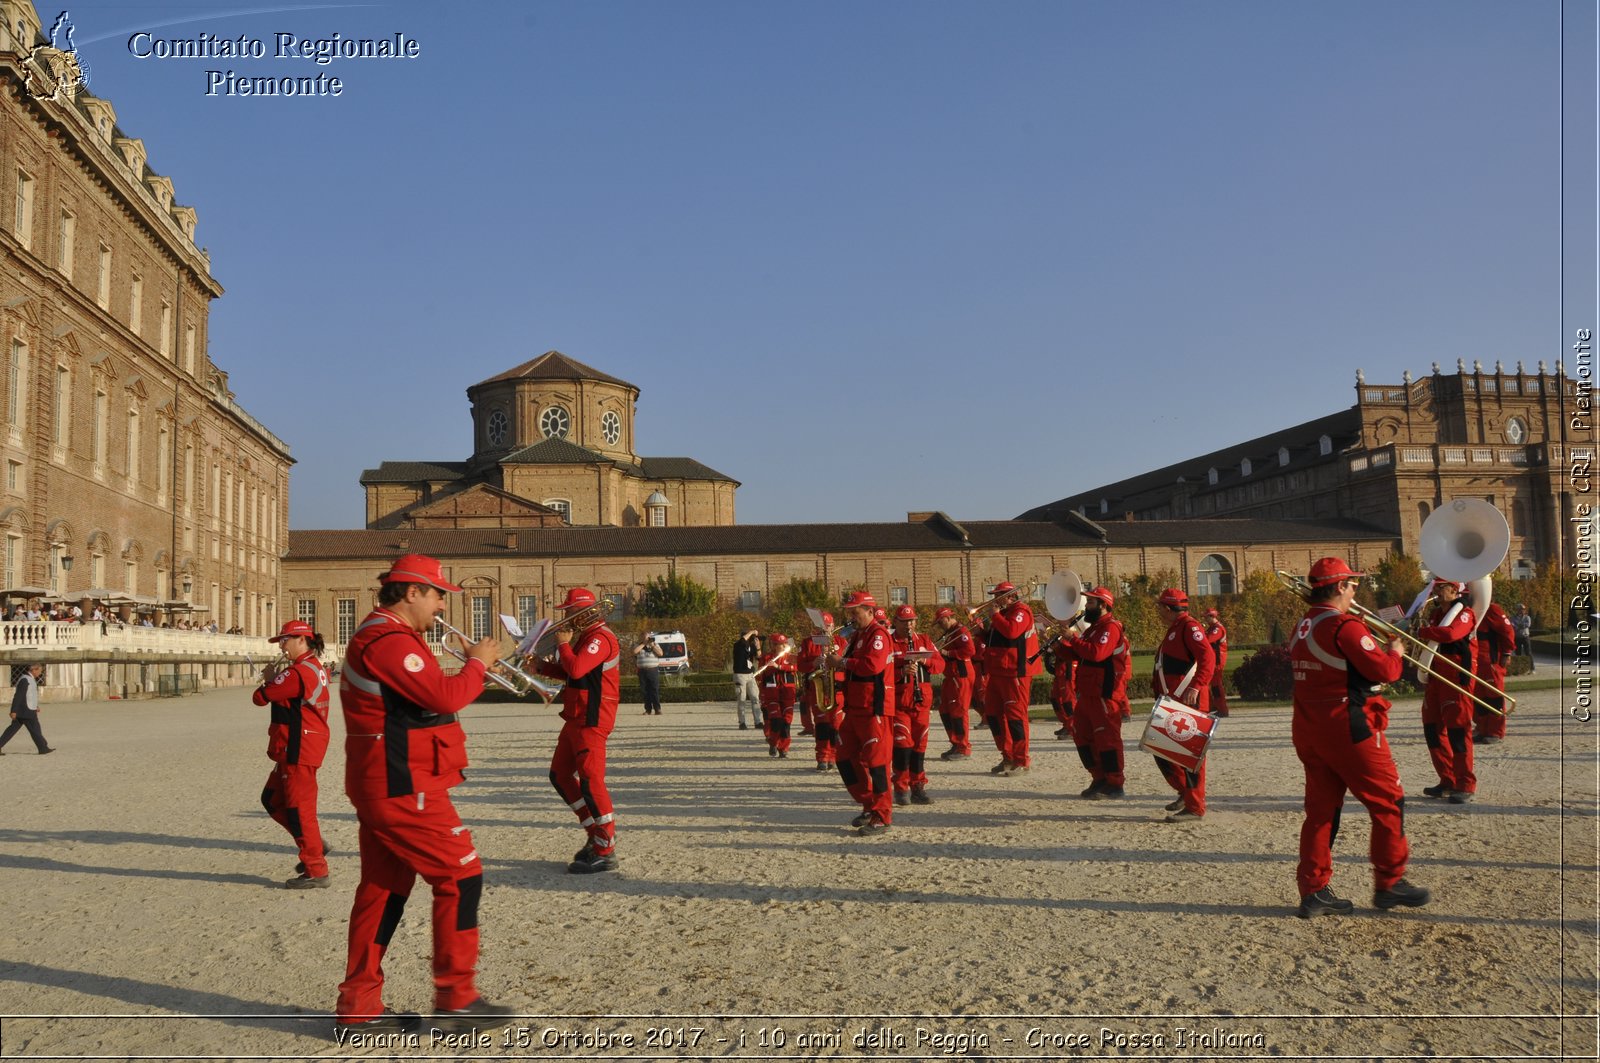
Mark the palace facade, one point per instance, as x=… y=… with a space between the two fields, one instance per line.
x=1510 y=437
x=131 y=473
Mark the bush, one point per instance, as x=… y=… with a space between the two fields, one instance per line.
x=674 y=595
x=1267 y=675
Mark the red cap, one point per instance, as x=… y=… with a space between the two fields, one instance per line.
x=944 y=611
x=1331 y=570
x=1461 y=588
x=1102 y=594
x=879 y=614
x=780 y=637
x=859 y=598
x=1174 y=598
x=1005 y=586
x=905 y=612
x=827 y=619
x=577 y=598
x=1211 y=612
x=294 y=629
x=418 y=568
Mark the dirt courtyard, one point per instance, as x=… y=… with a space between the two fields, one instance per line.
x=1009 y=919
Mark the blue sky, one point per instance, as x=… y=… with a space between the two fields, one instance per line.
x=873 y=257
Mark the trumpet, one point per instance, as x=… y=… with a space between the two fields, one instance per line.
x=275 y=668
x=780 y=655
x=505 y=672
x=1303 y=589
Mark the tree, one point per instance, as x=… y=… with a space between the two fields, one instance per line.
x=675 y=595
x=1399 y=580
x=797 y=594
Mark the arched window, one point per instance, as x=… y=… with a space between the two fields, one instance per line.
x=1325 y=445
x=1422 y=511
x=1519 y=517
x=1215 y=575
x=1211 y=476
x=1244 y=467
x=1283 y=456
x=562 y=506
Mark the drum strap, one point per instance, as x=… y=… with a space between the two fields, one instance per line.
x=1183 y=684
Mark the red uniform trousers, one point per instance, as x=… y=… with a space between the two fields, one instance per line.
x=825 y=721
x=401 y=838
x=578 y=772
x=1219 y=694
x=1334 y=764
x=1062 y=700
x=1491 y=687
x=911 y=747
x=777 y=705
x=865 y=751
x=955 y=703
x=1097 y=732
x=290 y=798
x=1005 y=710
x=1447 y=728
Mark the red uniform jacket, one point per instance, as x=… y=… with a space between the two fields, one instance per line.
x=1338 y=664
x=1457 y=656
x=781 y=673
x=959 y=652
x=1183 y=647
x=1013 y=643
x=594 y=682
x=911 y=682
x=868 y=673
x=298 y=733
x=1103 y=663
x=1061 y=683
x=1497 y=638
x=1217 y=635
x=401 y=732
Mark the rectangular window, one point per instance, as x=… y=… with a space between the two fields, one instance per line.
x=24 y=215
x=164 y=341
x=136 y=304
x=16 y=373
x=61 y=428
x=188 y=350
x=561 y=506
x=102 y=285
x=899 y=596
x=658 y=516
x=163 y=462
x=750 y=601
x=66 y=239
x=133 y=445
x=13 y=552
x=14 y=476
x=130 y=576
x=527 y=611
x=346 y=608
x=99 y=428
x=945 y=596
x=306 y=609
x=482 y=621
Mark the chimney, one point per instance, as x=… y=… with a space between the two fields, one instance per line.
x=1127 y=516
x=919 y=518
x=511 y=540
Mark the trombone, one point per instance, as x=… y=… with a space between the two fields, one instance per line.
x=1303 y=589
x=505 y=672
x=586 y=617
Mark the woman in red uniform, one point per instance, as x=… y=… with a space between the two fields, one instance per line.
x=297 y=739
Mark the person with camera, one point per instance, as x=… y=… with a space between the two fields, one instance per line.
x=647 y=660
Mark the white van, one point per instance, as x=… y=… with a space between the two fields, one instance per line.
x=674 y=651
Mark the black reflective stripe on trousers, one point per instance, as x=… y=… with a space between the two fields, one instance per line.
x=292 y=756
x=880 y=779
x=1333 y=830
x=1430 y=735
x=393 y=909
x=467 y=908
x=1458 y=738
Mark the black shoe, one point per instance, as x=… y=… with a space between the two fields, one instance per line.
x=742 y=726
x=824 y=767
x=1000 y=768
x=783 y=754
x=388 y=1022
x=1402 y=893
x=1183 y=815
x=1092 y=789
x=1436 y=791
x=1108 y=793
x=772 y=751
x=47 y=749
x=1323 y=902
x=902 y=797
x=1460 y=797
x=1487 y=740
x=953 y=754
x=872 y=828
x=1173 y=806
x=593 y=864
x=479 y=1015
x=919 y=796
x=862 y=820
x=584 y=853
x=303 y=881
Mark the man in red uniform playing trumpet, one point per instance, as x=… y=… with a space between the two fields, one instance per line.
x=1183 y=671
x=587 y=659
x=960 y=673
x=777 y=695
x=404 y=750
x=297 y=738
x=1011 y=661
x=1447 y=713
x=1338 y=725
x=866 y=735
x=913 y=707
x=1102 y=694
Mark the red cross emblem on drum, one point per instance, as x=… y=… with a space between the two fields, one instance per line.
x=1178 y=733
